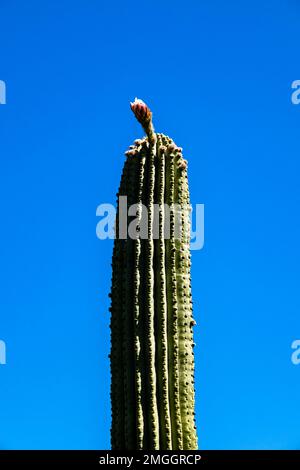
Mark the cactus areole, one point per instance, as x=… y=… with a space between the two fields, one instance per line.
x=152 y=359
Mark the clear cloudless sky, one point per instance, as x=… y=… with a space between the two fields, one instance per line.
x=218 y=77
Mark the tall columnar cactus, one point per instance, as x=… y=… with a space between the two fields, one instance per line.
x=152 y=359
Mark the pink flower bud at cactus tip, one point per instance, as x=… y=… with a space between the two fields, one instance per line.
x=141 y=111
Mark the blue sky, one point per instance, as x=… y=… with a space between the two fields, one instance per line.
x=218 y=77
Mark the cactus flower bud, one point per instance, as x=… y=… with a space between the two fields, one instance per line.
x=141 y=111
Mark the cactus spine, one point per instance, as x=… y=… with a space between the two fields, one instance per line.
x=152 y=359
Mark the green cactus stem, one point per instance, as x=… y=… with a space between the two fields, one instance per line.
x=152 y=358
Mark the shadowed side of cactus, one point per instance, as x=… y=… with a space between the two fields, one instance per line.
x=152 y=359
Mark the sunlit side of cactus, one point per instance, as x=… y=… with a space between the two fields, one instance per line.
x=152 y=359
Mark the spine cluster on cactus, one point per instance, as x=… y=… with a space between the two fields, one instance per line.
x=152 y=359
